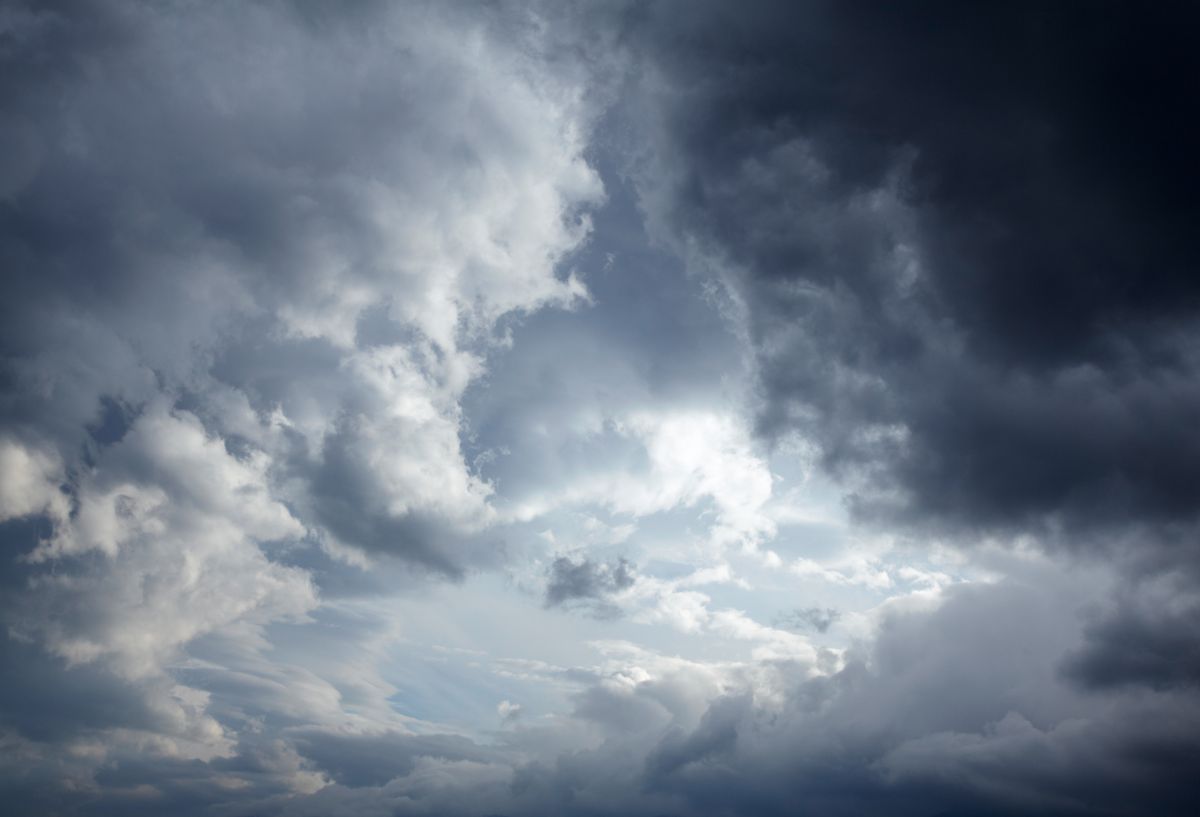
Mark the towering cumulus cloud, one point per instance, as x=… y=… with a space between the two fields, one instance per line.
x=638 y=408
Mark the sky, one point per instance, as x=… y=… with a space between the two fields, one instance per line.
x=655 y=409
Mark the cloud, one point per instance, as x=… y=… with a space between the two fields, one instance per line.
x=252 y=262
x=322 y=324
x=30 y=479
x=366 y=760
x=169 y=528
x=971 y=293
x=928 y=720
x=571 y=582
x=304 y=248
x=819 y=619
x=958 y=708
x=1146 y=636
x=508 y=711
x=266 y=268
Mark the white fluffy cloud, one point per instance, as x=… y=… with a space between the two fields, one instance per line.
x=29 y=479
x=178 y=525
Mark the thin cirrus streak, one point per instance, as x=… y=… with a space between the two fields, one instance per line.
x=631 y=408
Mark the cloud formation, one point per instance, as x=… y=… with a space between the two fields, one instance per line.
x=962 y=241
x=645 y=409
x=585 y=580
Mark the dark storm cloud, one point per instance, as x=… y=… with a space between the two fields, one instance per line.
x=585 y=581
x=965 y=238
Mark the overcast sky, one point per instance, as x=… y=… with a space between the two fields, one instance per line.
x=662 y=409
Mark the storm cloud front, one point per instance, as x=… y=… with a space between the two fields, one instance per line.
x=665 y=409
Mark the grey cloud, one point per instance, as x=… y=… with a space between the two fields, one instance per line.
x=586 y=581
x=1140 y=644
x=713 y=739
x=621 y=713
x=819 y=619
x=374 y=760
x=47 y=702
x=347 y=501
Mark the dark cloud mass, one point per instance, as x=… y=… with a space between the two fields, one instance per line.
x=689 y=409
x=964 y=236
x=1149 y=638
